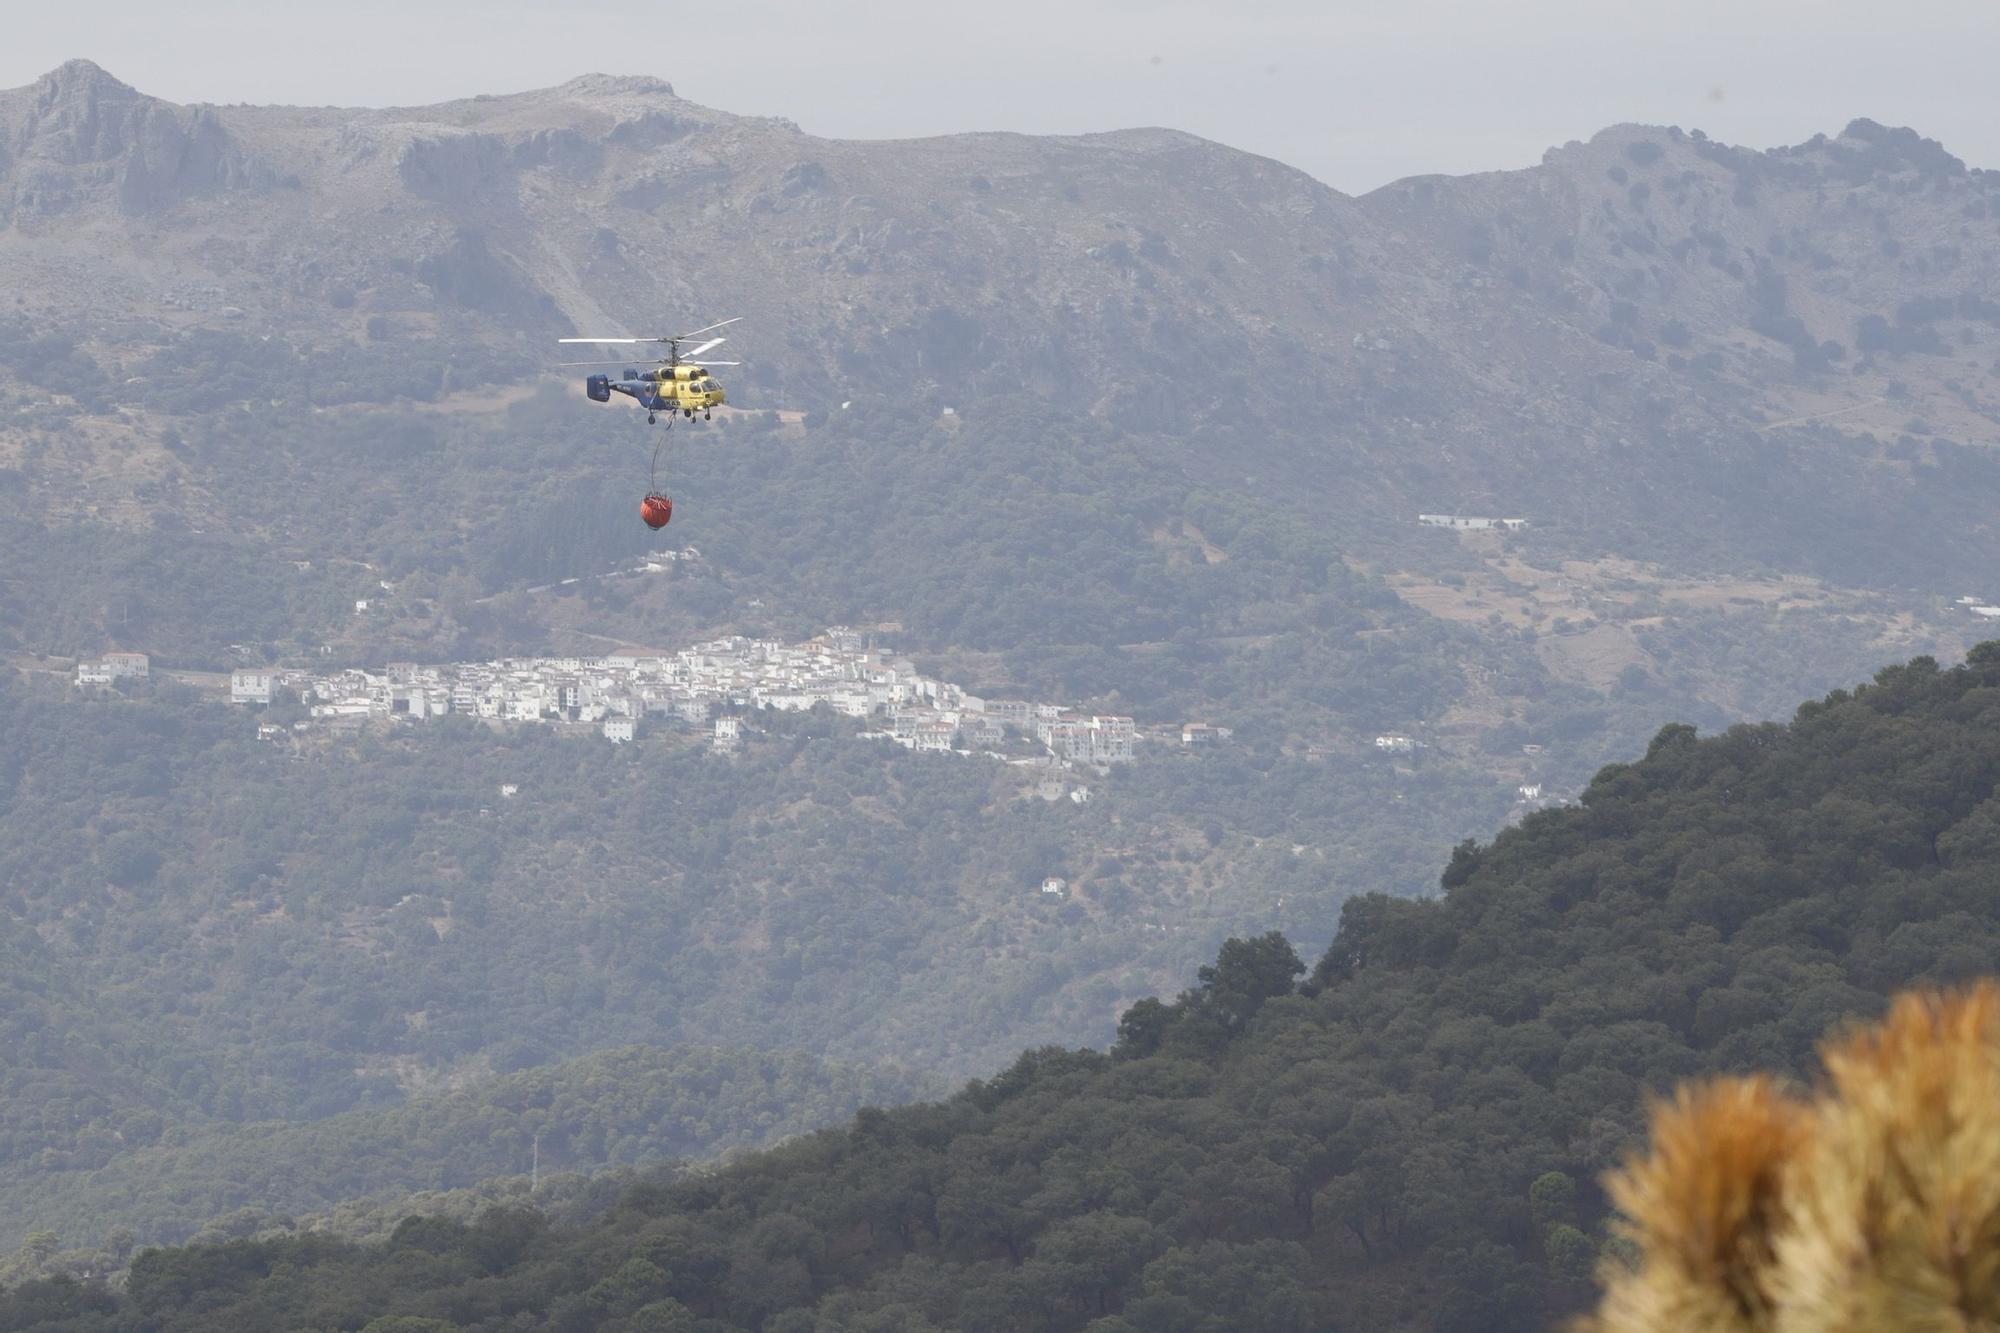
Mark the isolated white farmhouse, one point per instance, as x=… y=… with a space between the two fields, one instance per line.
x=251 y=685
x=1468 y=523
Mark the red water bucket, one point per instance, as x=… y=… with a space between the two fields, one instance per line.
x=656 y=510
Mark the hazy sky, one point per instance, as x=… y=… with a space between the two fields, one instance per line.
x=1358 y=92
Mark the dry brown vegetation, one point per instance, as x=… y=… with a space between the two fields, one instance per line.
x=1875 y=1204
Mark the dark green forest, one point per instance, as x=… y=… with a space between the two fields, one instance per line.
x=632 y=1106
x=208 y=931
x=1405 y=1136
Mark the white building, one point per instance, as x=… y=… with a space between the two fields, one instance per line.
x=638 y=659
x=1395 y=744
x=619 y=730
x=113 y=666
x=850 y=701
x=1113 y=740
x=728 y=734
x=934 y=736
x=416 y=703
x=1465 y=523
x=1091 y=740
x=982 y=730
x=251 y=685
x=1055 y=886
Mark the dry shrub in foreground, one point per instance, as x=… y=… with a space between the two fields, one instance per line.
x=1873 y=1206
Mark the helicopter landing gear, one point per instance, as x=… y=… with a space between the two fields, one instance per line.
x=650 y=419
x=708 y=416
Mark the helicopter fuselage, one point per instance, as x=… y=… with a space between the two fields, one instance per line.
x=678 y=382
x=664 y=389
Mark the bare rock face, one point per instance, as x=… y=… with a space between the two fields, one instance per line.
x=455 y=169
x=80 y=114
x=470 y=276
x=562 y=150
x=82 y=134
x=651 y=129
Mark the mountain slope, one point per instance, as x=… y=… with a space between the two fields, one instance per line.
x=632 y=1106
x=1595 y=341
x=1409 y=1140
x=212 y=934
x=348 y=314
x=229 y=317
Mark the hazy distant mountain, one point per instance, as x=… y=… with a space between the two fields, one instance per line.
x=1651 y=337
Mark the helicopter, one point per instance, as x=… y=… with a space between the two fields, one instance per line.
x=678 y=383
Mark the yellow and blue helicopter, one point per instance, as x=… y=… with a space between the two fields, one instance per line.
x=679 y=383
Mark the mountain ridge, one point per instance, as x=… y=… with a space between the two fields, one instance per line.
x=1479 y=331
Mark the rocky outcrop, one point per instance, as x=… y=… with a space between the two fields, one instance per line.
x=456 y=169
x=469 y=274
x=83 y=134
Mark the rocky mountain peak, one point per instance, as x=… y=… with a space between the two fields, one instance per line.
x=617 y=85
x=79 y=113
x=81 y=78
x=80 y=132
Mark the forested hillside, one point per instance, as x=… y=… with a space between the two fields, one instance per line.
x=1406 y=1137
x=212 y=931
x=631 y=1106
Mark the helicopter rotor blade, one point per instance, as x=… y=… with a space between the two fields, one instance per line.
x=615 y=340
x=685 y=362
x=708 y=346
x=600 y=363
x=710 y=329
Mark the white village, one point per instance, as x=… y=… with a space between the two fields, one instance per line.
x=709 y=687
